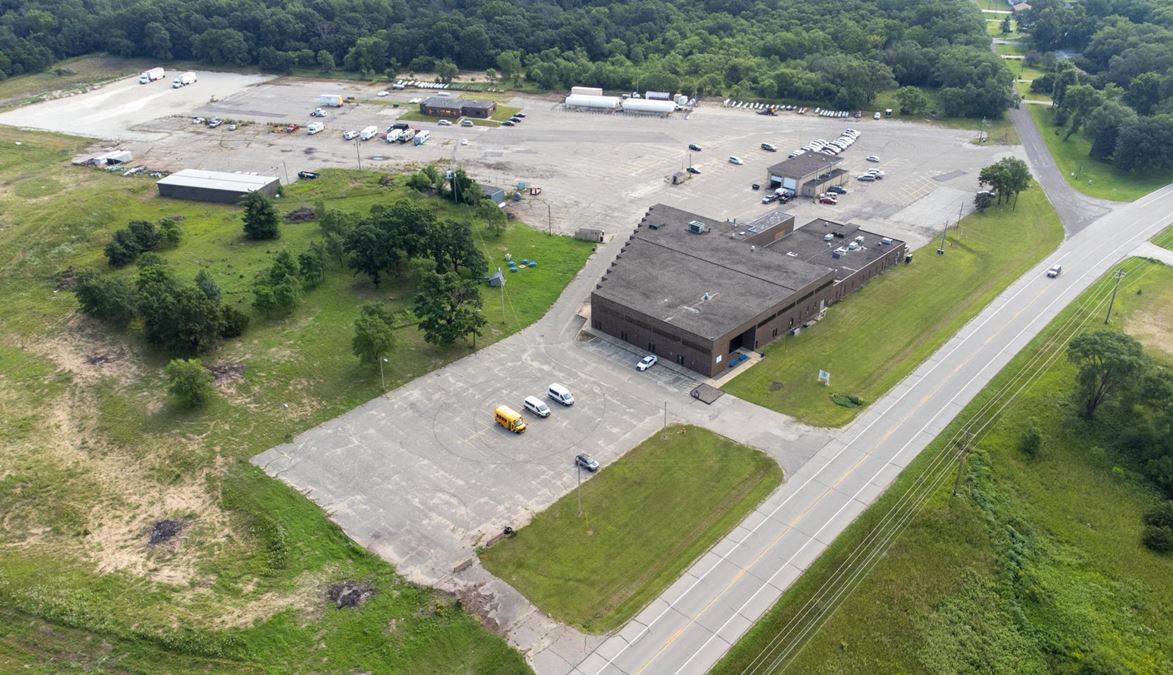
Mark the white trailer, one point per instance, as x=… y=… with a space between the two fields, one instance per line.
x=368 y=133
x=407 y=135
x=593 y=102
x=151 y=75
x=422 y=137
x=658 y=96
x=393 y=135
x=586 y=91
x=646 y=106
x=330 y=100
x=315 y=128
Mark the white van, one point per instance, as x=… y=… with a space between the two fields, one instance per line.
x=315 y=127
x=560 y=394
x=536 y=406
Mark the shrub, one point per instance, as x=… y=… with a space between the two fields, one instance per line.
x=106 y=298
x=1158 y=539
x=189 y=382
x=233 y=322
x=1030 y=443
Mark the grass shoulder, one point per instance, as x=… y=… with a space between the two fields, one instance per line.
x=1165 y=238
x=1036 y=566
x=646 y=518
x=1093 y=177
x=872 y=340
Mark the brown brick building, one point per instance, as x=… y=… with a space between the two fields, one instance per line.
x=694 y=290
x=447 y=106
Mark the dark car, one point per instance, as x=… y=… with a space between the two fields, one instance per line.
x=307 y=175
x=694 y=147
x=693 y=169
x=587 y=462
x=515 y=119
x=828 y=199
x=769 y=147
x=837 y=190
x=756 y=186
x=520 y=114
x=508 y=123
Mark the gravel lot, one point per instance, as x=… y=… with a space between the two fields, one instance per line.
x=595 y=169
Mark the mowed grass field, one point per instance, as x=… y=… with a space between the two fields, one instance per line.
x=1165 y=238
x=1036 y=566
x=646 y=518
x=873 y=339
x=1093 y=177
x=95 y=454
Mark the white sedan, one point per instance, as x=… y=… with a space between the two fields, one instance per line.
x=734 y=159
x=873 y=158
x=646 y=362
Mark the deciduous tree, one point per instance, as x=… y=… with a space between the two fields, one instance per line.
x=189 y=382
x=374 y=333
x=1108 y=361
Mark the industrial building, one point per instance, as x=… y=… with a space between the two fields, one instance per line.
x=695 y=290
x=215 y=186
x=447 y=106
x=806 y=175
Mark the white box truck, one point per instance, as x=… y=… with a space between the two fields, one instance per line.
x=315 y=127
x=330 y=100
x=422 y=137
x=368 y=133
x=183 y=80
x=151 y=75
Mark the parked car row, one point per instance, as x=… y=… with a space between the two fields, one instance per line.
x=829 y=148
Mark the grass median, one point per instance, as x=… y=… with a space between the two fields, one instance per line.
x=1036 y=566
x=647 y=517
x=1093 y=177
x=872 y=340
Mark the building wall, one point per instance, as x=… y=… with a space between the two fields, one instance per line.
x=200 y=194
x=483 y=113
x=856 y=281
x=437 y=111
x=666 y=341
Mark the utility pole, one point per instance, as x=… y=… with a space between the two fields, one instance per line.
x=285 y=418
x=944 y=232
x=382 y=379
x=578 y=470
x=1119 y=275
x=286 y=171
x=502 y=295
x=549 y=219
x=966 y=446
x=357 y=154
x=665 y=414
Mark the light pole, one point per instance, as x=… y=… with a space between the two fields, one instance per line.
x=382 y=380
x=285 y=418
x=578 y=470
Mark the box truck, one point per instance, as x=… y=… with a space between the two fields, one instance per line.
x=368 y=133
x=330 y=100
x=183 y=80
x=315 y=127
x=151 y=75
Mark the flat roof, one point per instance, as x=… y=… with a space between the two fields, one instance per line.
x=796 y=167
x=474 y=103
x=707 y=284
x=217 y=180
x=809 y=244
x=442 y=102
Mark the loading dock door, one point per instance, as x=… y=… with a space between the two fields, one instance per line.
x=790 y=184
x=775 y=181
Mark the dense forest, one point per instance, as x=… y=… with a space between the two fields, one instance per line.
x=1118 y=86
x=838 y=52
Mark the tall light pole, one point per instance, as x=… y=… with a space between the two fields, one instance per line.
x=285 y=418
x=381 y=378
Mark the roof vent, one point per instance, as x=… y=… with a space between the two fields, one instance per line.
x=828 y=237
x=654 y=226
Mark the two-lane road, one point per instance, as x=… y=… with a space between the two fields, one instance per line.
x=696 y=621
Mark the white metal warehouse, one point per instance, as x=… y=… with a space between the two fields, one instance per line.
x=215 y=186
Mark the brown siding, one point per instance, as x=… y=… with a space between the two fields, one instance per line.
x=666 y=341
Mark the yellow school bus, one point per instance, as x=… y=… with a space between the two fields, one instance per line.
x=510 y=419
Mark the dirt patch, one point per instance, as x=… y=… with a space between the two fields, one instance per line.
x=163 y=531
x=350 y=593
x=302 y=214
x=226 y=372
x=775 y=386
x=103 y=358
x=83 y=350
x=66 y=279
x=1154 y=328
x=480 y=605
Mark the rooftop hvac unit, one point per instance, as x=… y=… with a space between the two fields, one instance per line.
x=853 y=246
x=828 y=237
x=839 y=252
x=654 y=226
x=696 y=227
x=886 y=241
x=859 y=238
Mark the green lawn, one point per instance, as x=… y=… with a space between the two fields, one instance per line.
x=247 y=582
x=1035 y=567
x=871 y=340
x=1000 y=131
x=647 y=517
x=69 y=75
x=1165 y=238
x=1091 y=176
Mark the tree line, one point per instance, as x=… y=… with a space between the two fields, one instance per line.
x=839 y=52
x=1117 y=89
